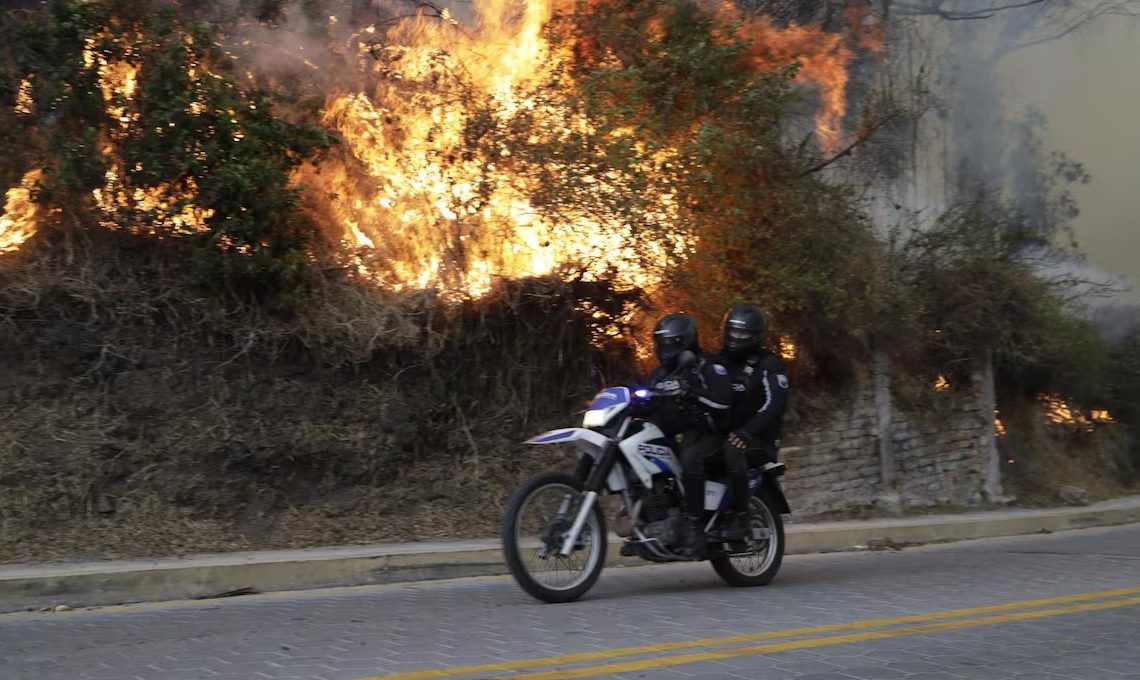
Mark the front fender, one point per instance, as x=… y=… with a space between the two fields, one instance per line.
x=584 y=440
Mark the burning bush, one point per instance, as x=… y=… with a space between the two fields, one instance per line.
x=135 y=120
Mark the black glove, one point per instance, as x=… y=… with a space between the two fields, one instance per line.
x=681 y=389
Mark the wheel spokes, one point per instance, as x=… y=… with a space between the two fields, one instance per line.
x=546 y=564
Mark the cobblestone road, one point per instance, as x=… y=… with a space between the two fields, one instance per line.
x=870 y=616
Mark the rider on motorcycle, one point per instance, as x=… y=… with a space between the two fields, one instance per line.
x=760 y=387
x=696 y=406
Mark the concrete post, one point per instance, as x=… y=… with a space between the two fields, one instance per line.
x=881 y=380
x=992 y=487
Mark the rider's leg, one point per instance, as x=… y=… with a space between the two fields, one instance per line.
x=736 y=467
x=694 y=449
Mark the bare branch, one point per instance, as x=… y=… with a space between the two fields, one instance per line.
x=865 y=133
x=1070 y=28
x=936 y=9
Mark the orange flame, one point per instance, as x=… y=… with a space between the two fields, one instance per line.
x=18 y=222
x=823 y=59
x=25 y=105
x=787 y=349
x=1059 y=412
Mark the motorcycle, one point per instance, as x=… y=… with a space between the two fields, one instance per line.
x=554 y=529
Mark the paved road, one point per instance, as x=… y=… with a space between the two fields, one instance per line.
x=1031 y=608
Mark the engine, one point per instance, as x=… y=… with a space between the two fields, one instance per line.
x=668 y=530
x=660 y=513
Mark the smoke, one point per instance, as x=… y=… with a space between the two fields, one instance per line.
x=1025 y=102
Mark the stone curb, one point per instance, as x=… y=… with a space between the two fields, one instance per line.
x=24 y=587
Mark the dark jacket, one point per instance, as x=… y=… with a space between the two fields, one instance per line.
x=760 y=397
x=696 y=398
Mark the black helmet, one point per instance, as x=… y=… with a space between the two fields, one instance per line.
x=744 y=329
x=672 y=335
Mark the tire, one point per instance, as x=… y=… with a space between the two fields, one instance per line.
x=514 y=551
x=737 y=575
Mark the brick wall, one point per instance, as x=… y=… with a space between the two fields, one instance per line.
x=874 y=453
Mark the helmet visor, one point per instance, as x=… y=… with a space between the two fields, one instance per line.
x=669 y=344
x=740 y=334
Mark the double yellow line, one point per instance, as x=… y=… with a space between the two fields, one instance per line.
x=1023 y=610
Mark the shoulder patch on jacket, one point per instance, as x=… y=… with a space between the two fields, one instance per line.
x=720 y=370
x=783 y=380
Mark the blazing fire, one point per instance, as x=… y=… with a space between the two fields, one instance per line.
x=425 y=215
x=941 y=384
x=18 y=222
x=422 y=211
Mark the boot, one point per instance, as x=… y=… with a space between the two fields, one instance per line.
x=695 y=538
x=736 y=526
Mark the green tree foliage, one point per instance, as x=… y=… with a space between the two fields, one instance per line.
x=1122 y=379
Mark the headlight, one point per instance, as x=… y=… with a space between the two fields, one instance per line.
x=594 y=418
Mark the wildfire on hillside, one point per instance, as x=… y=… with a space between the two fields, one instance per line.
x=415 y=210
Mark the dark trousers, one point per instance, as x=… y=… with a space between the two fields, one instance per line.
x=697 y=448
x=704 y=454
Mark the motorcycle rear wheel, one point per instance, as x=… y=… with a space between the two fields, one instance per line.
x=534 y=561
x=766 y=553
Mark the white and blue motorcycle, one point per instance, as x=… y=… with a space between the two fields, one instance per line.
x=554 y=528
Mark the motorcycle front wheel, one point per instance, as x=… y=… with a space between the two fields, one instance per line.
x=538 y=515
x=757 y=565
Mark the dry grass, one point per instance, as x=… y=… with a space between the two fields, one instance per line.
x=1040 y=458
x=144 y=419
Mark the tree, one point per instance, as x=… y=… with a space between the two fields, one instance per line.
x=681 y=127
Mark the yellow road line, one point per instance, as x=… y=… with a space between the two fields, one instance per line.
x=620 y=652
x=682 y=659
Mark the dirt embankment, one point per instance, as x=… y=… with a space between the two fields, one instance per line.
x=141 y=419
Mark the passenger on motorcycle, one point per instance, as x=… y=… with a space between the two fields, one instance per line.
x=696 y=407
x=760 y=396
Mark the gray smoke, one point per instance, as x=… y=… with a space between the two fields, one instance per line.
x=1000 y=123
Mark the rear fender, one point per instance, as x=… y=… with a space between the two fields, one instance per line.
x=767 y=480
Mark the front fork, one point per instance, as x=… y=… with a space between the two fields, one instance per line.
x=593 y=476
